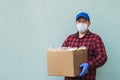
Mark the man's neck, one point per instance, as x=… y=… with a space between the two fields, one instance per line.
x=81 y=35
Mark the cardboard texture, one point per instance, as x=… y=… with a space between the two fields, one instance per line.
x=65 y=63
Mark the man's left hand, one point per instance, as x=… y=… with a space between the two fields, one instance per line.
x=84 y=67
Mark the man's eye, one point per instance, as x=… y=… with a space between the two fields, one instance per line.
x=84 y=21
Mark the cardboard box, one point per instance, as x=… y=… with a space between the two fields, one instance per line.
x=65 y=63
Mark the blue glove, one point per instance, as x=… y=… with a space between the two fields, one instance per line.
x=84 y=67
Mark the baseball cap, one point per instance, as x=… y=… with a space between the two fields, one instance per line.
x=83 y=14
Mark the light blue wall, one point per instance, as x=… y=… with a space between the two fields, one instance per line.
x=29 y=27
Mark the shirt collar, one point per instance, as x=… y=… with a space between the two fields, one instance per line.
x=87 y=34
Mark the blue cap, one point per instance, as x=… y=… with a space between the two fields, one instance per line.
x=83 y=14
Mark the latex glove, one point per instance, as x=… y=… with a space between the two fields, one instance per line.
x=84 y=67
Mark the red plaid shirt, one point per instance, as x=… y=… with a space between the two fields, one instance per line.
x=96 y=52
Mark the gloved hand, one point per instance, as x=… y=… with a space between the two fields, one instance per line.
x=84 y=67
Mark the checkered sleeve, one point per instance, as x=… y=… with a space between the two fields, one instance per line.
x=101 y=57
x=65 y=43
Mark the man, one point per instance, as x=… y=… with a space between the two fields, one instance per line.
x=94 y=45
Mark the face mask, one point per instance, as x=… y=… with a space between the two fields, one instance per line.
x=82 y=27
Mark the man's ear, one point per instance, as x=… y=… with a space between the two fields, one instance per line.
x=89 y=24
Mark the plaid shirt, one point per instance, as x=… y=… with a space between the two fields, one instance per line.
x=96 y=52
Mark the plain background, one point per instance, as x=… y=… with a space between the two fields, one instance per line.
x=29 y=27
